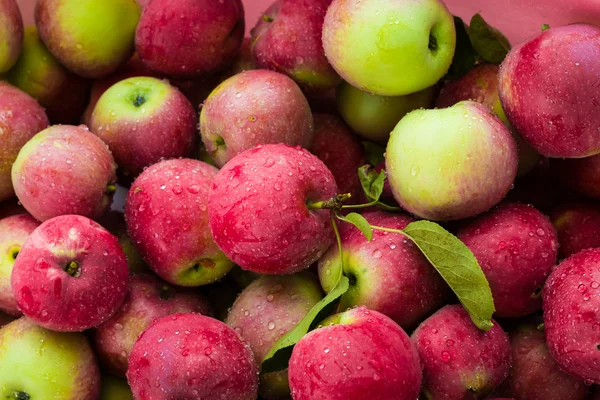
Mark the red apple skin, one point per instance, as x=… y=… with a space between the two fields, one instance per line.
x=341 y=151
x=459 y=360
x=208 y=35
x=364 y=355
x=11 y=25
x=191 y=356
x=148 y=299
x=548 y=90
x=258 y=214
x=139 y=139
x=287 y=39
x=14 y=231
x=53 y=298
x=392 y=275
x=65 y=170
x=534 y=374
x=572 y=310
x=251 y=108
x=578 y=227
x=21 y=117
x=267 y=309
x=114 y=222
x=516 y=246
x=167 y=219
x=581 y=175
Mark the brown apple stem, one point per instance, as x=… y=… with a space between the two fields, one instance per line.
x=335 y=203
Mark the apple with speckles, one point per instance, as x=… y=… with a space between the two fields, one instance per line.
x=11 y=34
x=70 y=274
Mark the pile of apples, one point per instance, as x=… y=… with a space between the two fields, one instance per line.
x=366 y=199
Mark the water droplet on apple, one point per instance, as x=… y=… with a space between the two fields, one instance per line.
x=271 y=325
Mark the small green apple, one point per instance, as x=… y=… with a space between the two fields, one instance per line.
x=389 y=48
x=451 y=163
x=90 y=37
x=36 y=363
x=374 y=117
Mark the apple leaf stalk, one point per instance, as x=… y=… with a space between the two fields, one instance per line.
x=449 y=256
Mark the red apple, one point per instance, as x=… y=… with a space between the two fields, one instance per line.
x=548 y=90
x=11 y=26
x=251 y=108
x=167 y=219
x=358 y=354
x=13 y=233
x=258 y=209
x=578 y=227
x=190 y=356
x=187 y=38
x=64 y=170
x=70 y=275
x=21 y=117
x=114 y=222
x=149 y=299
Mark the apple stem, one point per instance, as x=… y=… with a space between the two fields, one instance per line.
x=391 y=230
x=20 y=396
x=545 y=27
x=111 y=189
x=73 y=269
x=335 y=203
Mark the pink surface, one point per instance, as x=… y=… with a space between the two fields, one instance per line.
x=516 y=18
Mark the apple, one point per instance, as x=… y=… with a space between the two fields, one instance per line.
x=572 y=310
x=251 y=108
x=189 y=38
x=548 y=90
x=92 y=38
x=516 y=247
x=373 y=117
x=114 y=222
x=64 y=170
x=38 y=73
x=148 y=299
x=287 y=39
x=481 y=85
x=14 y=231
x=11 y=32
x=451 y=163
x=167 y=219
x=460 y=361
x=578 y=227
x=534 y=374
x=70 y=274
x=389 y=48
x=115 y=389
x=193 y=357
x=357 y=354
x=144 y=120
x=21 y=117
x=267 y=309
x=387 y=274
x=36 y=363
x=581 y=175
x=259 y=209
x=341 y=152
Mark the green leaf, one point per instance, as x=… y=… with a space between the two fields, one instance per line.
x=371 y=181
x=278 y=357
x=459 y=268
x=488 y=41
x=360 y=222
x=374 y=152
x=465 y=55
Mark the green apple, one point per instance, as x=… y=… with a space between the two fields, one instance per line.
x=36 y=363
x=90 y=37
x=389 y=48
x=39 y=74
x=115 y=389
x=451 y=163
x=11 y=34
x=373 y=117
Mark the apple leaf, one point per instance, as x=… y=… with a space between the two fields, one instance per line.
x=465 y=55
x=459 y=268
x=278 y=357
x=371 y=181
x=374 y=152
x=360 y=222
x=488 y=41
